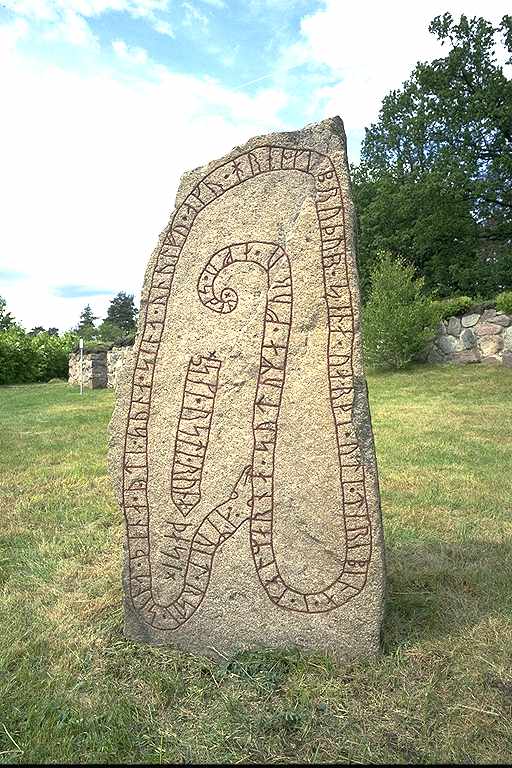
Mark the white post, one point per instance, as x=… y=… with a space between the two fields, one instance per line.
x=81 y=344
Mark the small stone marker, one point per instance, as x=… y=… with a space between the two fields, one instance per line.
x=241 y=443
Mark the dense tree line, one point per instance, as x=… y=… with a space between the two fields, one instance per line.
x=434 y=185
x=118 y=325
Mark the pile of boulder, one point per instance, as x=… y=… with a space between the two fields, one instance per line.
x=477 y=337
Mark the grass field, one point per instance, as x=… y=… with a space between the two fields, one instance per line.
x=73 y=689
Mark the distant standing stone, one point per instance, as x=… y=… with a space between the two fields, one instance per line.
x=241 y=443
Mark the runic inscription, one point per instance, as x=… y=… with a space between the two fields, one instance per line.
x=195 y=533
x=193 y=431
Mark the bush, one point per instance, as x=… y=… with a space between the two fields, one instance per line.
x=18 y=364
x=52 y=354
x=398 y=318
x=25 y=358
x=504 y=302
x=454 y=306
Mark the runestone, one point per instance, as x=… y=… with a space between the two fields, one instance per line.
x=241 y=447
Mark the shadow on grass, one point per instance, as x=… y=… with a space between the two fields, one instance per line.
x=435 y=589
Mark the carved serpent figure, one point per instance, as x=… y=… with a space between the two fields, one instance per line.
x=253 y=494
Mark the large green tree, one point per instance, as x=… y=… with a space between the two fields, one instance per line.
x=121 y=314
x=86 y=328
x=435 y=180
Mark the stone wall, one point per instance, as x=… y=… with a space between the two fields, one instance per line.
x=115 y=360
x=101 y=369
x=95 y=369
x=477 y=337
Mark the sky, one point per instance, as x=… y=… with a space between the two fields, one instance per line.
x=104 y=104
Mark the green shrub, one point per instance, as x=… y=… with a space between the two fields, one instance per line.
x=25 y=358
x=504 y=302
x=398 y=318
x=454 y=306
x=18 y=364
x=52 y=355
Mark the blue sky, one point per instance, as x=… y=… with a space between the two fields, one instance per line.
x=106 y=102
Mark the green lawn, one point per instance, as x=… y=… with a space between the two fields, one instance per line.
x=73 y=689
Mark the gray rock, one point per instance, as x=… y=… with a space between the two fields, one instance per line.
x=468 y=338
x=488 y=314
x=507 y=359
x=453 y=326
x=507 y=339
x=469 y=320
x=204 y=414
x=449 y=344
x=486 y=329
x=503 y=320
x=468 y=356
x=436 y=356
x=441 y=328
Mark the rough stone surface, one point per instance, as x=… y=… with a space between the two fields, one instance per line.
x=469 y=320
x=467 y=356
x=94 y=370
x=507 y=340
x=490 y=345
x=453 y=326
x=250 y=497
x=507 y=359
x=467 y=338
x=436 y=356
x=116 y=358
x=472 y=339
x=449 y=344
x=486 y=329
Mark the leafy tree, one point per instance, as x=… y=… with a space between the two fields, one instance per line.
x=36 y=330
x=6 y=319
x=398 y=318
x=122 y=313
x=86 y=328
x=110 y=332
x=53 y=331
x=435 y=179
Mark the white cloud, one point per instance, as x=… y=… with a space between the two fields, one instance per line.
x=369 y=48
x=72 y=28
x=52 y=9
x=193 y=16
x=90 y=166
x=68 y=17
x=163 y=27
x=130 y=54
